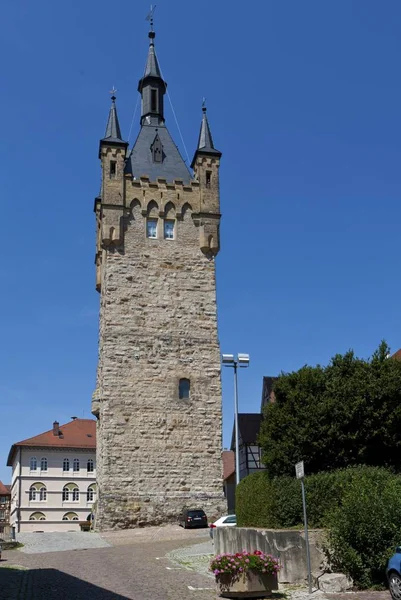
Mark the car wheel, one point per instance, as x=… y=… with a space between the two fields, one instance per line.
x=394 y=582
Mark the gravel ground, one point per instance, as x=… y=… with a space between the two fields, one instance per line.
x=35 y=543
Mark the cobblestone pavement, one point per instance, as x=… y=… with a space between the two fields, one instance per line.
x=140 y=571
x=54 y=542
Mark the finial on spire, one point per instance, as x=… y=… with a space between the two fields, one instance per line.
x=150 y=19
x=204 y=109
x=113 y=92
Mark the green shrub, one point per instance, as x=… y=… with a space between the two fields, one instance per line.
x=365 y=527
x=253 y=501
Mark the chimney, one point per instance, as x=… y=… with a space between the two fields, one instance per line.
x=56 y=428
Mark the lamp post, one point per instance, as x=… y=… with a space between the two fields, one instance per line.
x=242 y=360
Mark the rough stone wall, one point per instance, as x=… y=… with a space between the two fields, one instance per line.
x=157 y=453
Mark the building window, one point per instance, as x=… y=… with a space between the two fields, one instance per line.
x=43 y=464
x=2 y=515
x=33 y=464
x=153 y=100
x=66 y=464
x=90 y=494
x=70 y=493
x=151 y=228
x=38 y=492
x=70 y=516
x=76 y=464
x=183 y=389
x=75 y=495
x=66 y=494
x=169 y=230
x=89 y=466
x=37 y=516
x=208 y=178
x=1 y=529
x=113 y=169
x=3 y=499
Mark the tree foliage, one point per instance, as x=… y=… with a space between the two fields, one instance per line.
x=331 y=417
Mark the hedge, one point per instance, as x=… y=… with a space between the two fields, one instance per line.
x=277 y=503
x=360 y=506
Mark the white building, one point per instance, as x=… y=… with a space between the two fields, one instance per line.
x=54 y=478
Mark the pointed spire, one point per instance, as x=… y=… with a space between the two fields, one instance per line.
x=152 y=68
x=113 y=131
x=205 y=141
x=152 y=87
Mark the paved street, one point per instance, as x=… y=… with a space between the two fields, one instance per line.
x=138 y=570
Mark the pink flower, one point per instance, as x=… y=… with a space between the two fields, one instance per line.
x=247 y=560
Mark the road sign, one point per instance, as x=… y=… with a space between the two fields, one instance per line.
x=299 y=470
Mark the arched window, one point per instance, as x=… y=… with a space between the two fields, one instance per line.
x=33 y=464
x=70 y=516
x=43 y=464
x=91 y=493
x=89 y=466
x=183 y=389
x=37 y=516
x=66 y=464
x=76 y=464
x=37 y=492
x=70 y=493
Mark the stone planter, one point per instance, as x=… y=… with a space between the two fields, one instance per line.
x=252 y=584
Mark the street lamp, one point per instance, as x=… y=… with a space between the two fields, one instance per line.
x=242 y=360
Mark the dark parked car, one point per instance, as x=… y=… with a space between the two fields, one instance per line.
x=394 y=574
x=193 y=518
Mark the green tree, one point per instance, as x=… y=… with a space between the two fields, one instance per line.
x=331 y=417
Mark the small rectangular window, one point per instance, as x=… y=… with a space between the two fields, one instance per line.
x=153 y=100
x=113 y=169
x=168 y=230
x=208 y=178
x=151 y=228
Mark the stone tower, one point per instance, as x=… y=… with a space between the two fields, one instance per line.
x=158 y=392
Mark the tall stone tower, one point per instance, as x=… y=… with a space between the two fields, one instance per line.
x=158 y=393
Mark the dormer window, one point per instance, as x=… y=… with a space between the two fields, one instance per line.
x=157 y=150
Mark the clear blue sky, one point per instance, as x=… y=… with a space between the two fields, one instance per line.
x=304 y=101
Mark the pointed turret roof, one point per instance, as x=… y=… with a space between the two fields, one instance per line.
x=152 y=68
x=205 y=141
x=113 y=131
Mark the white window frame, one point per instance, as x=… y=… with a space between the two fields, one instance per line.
x=43 y=464
x=148 y=221
x=172 y=222
x=33 y=464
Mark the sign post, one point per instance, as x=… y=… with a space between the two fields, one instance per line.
x=300 y=473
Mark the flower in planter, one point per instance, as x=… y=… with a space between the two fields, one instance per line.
x=242 y=562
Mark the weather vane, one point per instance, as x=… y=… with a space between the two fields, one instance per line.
x=113 y=92
x=204 y=104
x=150 y=16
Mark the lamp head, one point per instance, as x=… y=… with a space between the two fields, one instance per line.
x=227 y=359
x=243 y=360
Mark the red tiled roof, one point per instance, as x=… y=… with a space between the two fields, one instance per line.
x=78 y=433
x=397 y=355
x=4 y=489
x=228 y=463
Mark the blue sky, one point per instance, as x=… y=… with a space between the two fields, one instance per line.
x=304 y=102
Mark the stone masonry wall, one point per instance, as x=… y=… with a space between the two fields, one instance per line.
x=156 y=453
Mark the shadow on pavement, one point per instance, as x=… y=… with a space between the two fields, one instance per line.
x=49 y=584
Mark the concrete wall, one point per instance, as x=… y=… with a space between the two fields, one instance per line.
x=286 y=544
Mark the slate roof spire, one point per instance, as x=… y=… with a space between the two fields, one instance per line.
x=152 y=87
x=113 y=131
x=205 y=141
